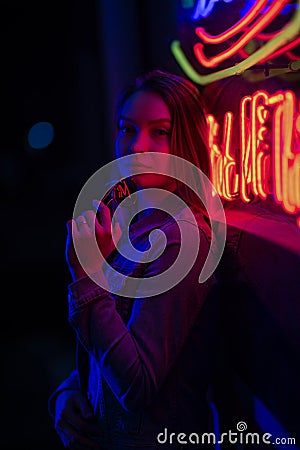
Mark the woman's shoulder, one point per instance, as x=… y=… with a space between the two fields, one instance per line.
x=188 y=221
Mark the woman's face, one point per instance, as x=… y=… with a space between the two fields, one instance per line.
x=145 y=126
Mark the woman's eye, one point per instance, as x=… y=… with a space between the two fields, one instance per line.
x=126 y=129
x=161 y=132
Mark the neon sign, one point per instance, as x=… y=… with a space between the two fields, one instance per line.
x=249 y=3
x=232 y=45
x=269 y=150
x=204 y=8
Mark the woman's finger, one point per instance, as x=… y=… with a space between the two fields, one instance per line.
x=90 y=217
x=81 y=222
x=104 y=216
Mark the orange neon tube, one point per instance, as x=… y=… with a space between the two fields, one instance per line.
x=239 y=26
x=257 y=27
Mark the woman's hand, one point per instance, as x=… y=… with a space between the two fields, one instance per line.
x=75 y=422
x=81 y=232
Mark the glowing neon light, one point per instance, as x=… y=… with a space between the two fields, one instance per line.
x=283 y=49
x=239 y=26
x=203 y=8
x=267 y=36
x=260 y=24
x=223 y=164
x=287 y=155
x=249 y=3
x=283 y=41
x=291 y=56
x=270 y=151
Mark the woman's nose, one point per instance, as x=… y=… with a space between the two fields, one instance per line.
x=139 y=143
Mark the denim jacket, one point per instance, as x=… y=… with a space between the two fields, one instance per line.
x=147 y=364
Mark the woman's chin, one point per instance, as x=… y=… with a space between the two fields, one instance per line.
x=149 y=180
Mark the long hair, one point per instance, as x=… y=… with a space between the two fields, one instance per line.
x=189 y=133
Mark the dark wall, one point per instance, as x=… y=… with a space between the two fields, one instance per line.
x=62 y=62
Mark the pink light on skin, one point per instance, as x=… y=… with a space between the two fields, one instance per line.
x=249 y=34
x=144 y=127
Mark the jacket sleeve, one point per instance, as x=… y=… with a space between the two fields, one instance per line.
x=135 y=358
x=70 y=383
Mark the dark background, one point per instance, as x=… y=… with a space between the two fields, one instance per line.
x=63 y=62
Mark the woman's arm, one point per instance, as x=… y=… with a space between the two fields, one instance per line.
x=135 y=359
x=71 y=384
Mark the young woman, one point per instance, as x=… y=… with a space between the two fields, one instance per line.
x=145 y=365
